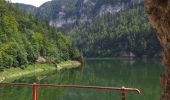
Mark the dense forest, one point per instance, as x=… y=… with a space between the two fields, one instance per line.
x=102 y=28
x=65 y=13
x=24 y=38
x=127 y=33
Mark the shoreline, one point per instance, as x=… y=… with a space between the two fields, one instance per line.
x=35 y=69
x=119 y=58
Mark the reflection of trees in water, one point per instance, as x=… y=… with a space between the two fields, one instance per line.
x=140 y=74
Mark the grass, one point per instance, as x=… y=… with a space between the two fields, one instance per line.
x=31 y=70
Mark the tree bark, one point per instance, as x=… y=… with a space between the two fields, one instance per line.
x=159 y=15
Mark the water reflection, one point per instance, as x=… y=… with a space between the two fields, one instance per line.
x=104 y=72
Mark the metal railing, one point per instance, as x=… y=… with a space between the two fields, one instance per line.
x=35 y=88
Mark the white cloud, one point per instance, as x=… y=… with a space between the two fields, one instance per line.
x=36 y=3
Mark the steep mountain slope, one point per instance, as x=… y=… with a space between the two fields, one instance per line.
x=28 y=8
x=23 y=39
x=63 y=12
x=127 y=33
x=104 y=27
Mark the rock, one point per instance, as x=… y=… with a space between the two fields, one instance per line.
x=128 y=54
x=159 y=15
x=2 y=79
x=41 y=59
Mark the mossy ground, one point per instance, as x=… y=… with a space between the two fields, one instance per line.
x=35 y=69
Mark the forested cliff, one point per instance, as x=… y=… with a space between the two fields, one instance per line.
x=102 y=28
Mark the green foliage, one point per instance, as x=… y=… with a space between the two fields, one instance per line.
x=23 y=39
x=125 y=33
x=12 y=54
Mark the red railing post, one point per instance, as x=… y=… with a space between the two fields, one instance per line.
x=35 y=91
x=123 y=93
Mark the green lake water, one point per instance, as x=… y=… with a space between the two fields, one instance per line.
x=141 y=74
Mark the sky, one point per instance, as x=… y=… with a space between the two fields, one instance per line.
x=36 y=3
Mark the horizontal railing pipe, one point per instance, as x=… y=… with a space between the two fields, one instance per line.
x=35 y=88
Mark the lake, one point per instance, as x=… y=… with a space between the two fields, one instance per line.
x=141 y=74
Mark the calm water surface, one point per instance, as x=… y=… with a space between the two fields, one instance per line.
x=102 y=72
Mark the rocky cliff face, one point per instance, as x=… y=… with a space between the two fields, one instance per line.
x=28 y=8
x=65 y=12
x=159 y=15
x=61 y=13
x=102 y=28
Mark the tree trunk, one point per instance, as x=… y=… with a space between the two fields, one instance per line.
x=159 y=15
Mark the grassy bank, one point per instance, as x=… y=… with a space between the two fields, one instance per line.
x=31 y=70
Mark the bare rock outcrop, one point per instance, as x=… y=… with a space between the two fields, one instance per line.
x=41 y=59
x=159 y=15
